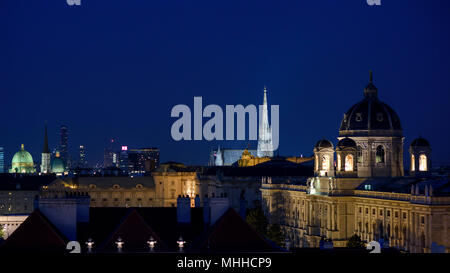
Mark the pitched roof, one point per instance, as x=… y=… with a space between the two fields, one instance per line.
x=107 y=224
x=36 y=233
x=135 y=232
x=232 y=233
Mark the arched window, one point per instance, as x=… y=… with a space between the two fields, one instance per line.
x=316 y=163
x=423 y=163
x=339 y=162
x=413 y=163
x=325 y=162
x=380 y=154
x=359 y=155
x=349 y=163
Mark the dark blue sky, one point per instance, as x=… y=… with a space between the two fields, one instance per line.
x=116 y=68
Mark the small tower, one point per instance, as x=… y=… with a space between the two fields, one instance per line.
x=346 y=153
x=324 y=158
x=420 y=156
x=45 y=160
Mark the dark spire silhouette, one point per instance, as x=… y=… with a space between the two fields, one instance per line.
x=46 y=150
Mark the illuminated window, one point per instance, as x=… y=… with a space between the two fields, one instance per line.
x=359 y=154
x=413 y=163
x=316 y=163
x=325 y=162
x=339 y=162
x=380 y=154
x=423 y=163
x=349 y=163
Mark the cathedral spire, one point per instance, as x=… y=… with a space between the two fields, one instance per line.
x=370 y=76
x=265 y=147
x=45 y=150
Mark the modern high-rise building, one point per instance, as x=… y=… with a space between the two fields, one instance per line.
x=123 y=160
x=109 y=156
x=45 y=159
x=82 y=161
x=2 y=160
x=143 y=160
x=63 y=144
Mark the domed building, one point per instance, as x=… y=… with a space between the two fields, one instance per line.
x=376 y=129
x=22 y=162
x=364 y=191
x=58 y=165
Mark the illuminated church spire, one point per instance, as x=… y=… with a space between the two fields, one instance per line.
x=45 y=162
x=265 y=147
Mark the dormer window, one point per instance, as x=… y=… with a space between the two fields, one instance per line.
x=380 y=116
x=358 y=117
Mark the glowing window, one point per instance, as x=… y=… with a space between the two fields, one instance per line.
x=325 y=162
x=316 y=163
x=380 y=154
x=423 y=163
x=413 y=163
x=339 y=162
x=349 y=163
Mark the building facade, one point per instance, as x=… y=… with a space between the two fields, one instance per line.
x=362 y=189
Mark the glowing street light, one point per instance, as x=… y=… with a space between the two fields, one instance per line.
x=181 y=243
x=89 y=244
x=151 y=243
x=119 y=244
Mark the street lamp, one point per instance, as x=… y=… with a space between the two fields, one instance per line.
x=89 y=244
x=119 y=244
x=151 y=243
x=181 y=243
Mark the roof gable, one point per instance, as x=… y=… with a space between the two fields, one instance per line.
x=36 y=233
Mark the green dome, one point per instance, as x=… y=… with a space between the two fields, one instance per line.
x=58 y=166
x=22 y=162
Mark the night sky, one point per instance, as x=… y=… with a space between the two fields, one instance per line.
x=114 y=69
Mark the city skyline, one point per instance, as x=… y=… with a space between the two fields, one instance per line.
x=313 y=61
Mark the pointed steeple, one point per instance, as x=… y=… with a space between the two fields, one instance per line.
x=265 y=148
x=265 y=96
x=45 y=150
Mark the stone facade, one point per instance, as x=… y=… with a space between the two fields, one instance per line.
x=407 y=221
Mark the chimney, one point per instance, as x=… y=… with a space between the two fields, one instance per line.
x=243 y=208
x=65 y=212
x=197 y=201
x=218 y=206
x=206 y=210
x=183 y=209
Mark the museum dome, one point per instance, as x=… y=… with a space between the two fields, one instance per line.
x=346 y=143
x=324 y=143
x=420 y=142
x=22 y=157
x=370 y=116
